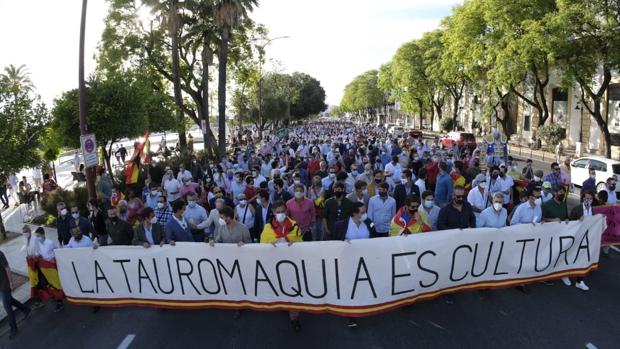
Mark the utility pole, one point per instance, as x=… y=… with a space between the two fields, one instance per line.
x=90 y=172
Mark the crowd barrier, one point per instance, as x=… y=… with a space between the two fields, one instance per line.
x=359 y=278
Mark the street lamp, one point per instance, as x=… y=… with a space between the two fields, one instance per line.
x=260 y=82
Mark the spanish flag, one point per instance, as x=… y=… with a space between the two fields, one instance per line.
x=44 y=280
x=132 y=170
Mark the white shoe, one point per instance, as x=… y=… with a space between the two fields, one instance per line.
x=582 y=286
x=566 y=281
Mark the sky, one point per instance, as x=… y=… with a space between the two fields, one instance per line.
x=332 y=40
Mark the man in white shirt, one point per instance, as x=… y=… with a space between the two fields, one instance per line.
x=477 y=196
x=78 y=240
x=172 y=187
x=506 y=184
x=394 y=168
x=610 y=188
x=183 y=173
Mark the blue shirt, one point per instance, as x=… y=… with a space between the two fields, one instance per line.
x=151 y=201
x=490 y=219
x=176 y=231
x=431 y=216
x=443 y=189
x=525 y=214
x=554 y=179
x=196 y=213
x=381 y=212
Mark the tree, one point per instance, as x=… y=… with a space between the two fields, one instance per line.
x=592 y=48
x=362 y=95
x=129 y=41
x=310 y=96
x=118 y=107
x=22 y=118
x=228 y=14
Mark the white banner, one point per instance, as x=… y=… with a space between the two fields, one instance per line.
x=358 y=278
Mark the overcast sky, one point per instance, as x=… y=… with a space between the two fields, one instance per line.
x=332 y=40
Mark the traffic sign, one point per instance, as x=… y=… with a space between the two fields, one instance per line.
x=89 y=150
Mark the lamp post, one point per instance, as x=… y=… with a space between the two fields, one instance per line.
x=90 y=172
x=260 y=82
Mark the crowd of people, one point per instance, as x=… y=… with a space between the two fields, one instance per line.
x=321 y=181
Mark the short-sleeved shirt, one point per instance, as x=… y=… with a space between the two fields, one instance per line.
x=5 y=284
x=551 y=209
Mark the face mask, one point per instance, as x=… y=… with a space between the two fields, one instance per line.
x=428 y=203
x=404 y=180
x=365 y=191
x=537 y=179
x=497 y=206
x=538 y=201
x=221 y=221
x=354 y=173
x=593 y=176
x=153 y=220
x=587 y=202
x=332 y=175
x=299 y=194
x=75 y=215
x=296 y=181
x=280 y=217
x=243 y=202
x=153 y=192
x=40 y=238
x=339 y=194
x=63 y=212
x=482 y=185
x=160 y=205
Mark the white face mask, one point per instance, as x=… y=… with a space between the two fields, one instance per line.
x=482 y=185
x=537 y=179
x=40 y=238
x=538 y=202
x=243 y=202
x=497 y=206
x=63 y=212
x=221 y=221
x=280 y=217
x=160 y=205
x=299 y=194
x=428 y=203
x=364 y=216
x=404 y=180
x=153 y=192
x=153 y=220
x=296 y=181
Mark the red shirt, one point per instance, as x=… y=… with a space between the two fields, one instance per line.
x=249 y=192
x=432 y=170
x=313 y=167
x=303 y=213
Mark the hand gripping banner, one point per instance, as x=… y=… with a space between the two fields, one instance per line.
x=359 y=278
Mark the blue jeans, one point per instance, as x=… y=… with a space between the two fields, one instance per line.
x=8 y=302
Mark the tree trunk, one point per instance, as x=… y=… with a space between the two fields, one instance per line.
x=176 y=73
x=505 y=120
x=595 y=111
x=221 y=93
x=455 y=111
x=208 y=137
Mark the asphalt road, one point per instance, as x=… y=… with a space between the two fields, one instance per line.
x=554 y=316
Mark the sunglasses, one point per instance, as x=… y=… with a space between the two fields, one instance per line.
x=74 y=212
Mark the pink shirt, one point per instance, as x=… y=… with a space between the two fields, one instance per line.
x=302 y=213
x=189 y=188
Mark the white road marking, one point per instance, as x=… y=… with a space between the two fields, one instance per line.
x=590 y=346
x=614 y=248
x=126 y=342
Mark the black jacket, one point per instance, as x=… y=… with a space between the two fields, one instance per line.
x=258 y=217
x=340 y=229
x=400 y=194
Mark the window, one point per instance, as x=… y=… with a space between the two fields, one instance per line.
x=598 y=165
x=527 y=119
x=616 y=168
x=580 y=163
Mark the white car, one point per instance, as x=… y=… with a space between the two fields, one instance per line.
x=396 y=131
x=604 y=168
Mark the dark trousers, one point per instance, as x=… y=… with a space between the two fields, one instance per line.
x=380 y=235
x=3 y=197
x=198 y=235
x=8 y=302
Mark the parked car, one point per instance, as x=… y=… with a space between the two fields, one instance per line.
x=604 y=168
x=396 y=131
x=416 y=134
x=462 y=139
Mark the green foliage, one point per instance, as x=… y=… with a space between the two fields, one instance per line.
x=552 y=134
x=77 y=196
x=310 y=96
x=22 y=119
x=446 y=124
x=363 y=93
